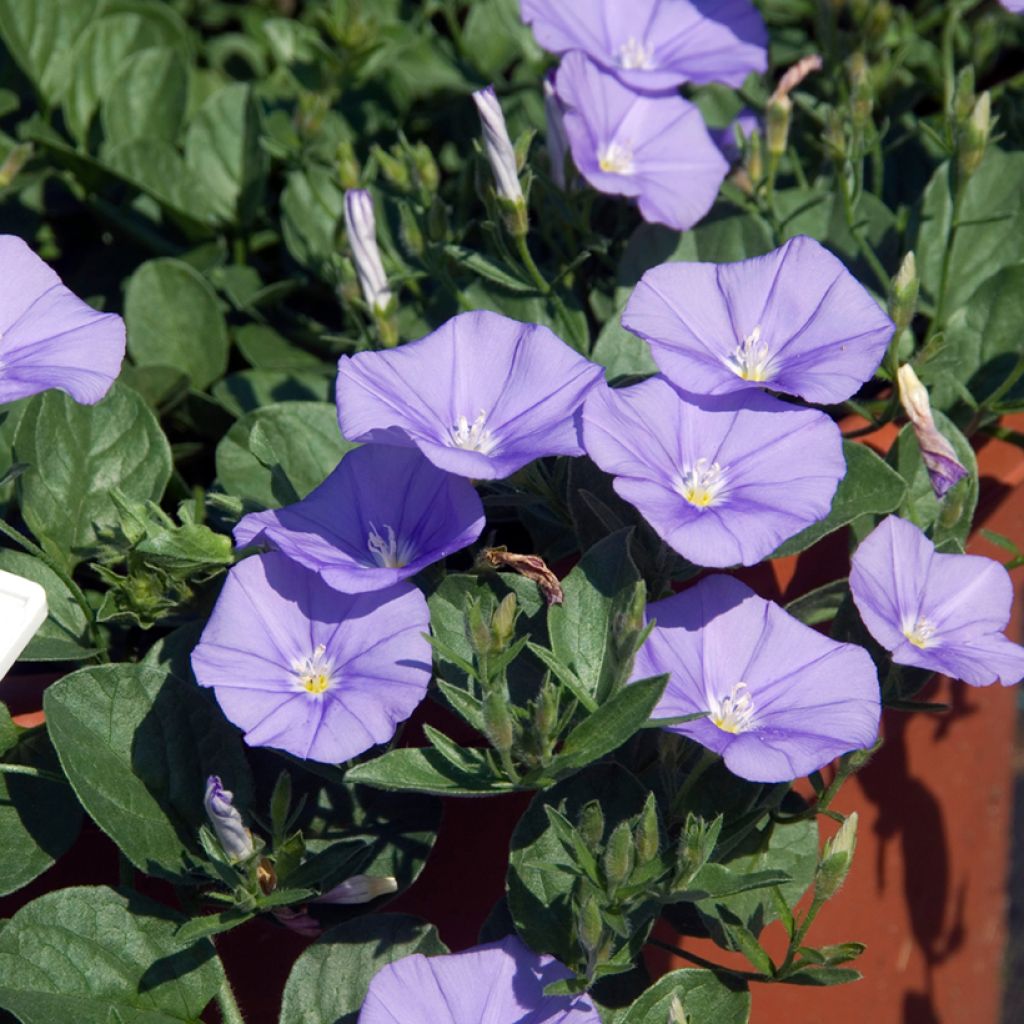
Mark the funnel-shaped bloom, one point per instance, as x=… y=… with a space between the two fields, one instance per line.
x=305 y=669
x=946 y=613
x=50 y=338
x=1014 y=6
x=655 y=149
x=655 y=45
x=721 y=480
x=499 y=983
x=383 y=515
x=782 y=699
x=482 y=396
x=795 y=321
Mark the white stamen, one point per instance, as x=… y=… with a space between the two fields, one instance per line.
x=702 y=483
x=616 y=158
x=752 y=359
x=635 y=56
x=315 y=673
x=388 y=551
x=473 y=437
x=920 y=633
x=733 y=713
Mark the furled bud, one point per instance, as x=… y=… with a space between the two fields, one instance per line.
x=426 y=167
x=359 y=889
x=777 y=118
x=974 y=137
x=590 y=925
x=14 y=162
x=545 y=713
x=964 y=96
x=503 y=621
x=347 y=166
x=836 y=860
x=618 y=856
x=557 y=140
x=938 y=455
x=755 y=158
x=834 y=135
x=362 y=237
x=235 y=839
x=861 y=93
x=591 y=824
x=499 y=725
x=500 y=152
x=903 y=293
x=647 y=837
x=394 y=168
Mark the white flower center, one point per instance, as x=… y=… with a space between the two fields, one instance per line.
x=702 y=483
x=635 y=56
x=615 y=158
x=315 y=673
x=473 y=437
x=388 y=551
x=752 y=359
x=920 y=633
x=734 y=712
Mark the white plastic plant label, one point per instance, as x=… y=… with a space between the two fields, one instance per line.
x=22 y=612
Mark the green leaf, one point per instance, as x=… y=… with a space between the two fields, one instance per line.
x=10 y=417
x=94 y=956
x=328 y=983
x=96 y=61
x=312 y=205
x=821 y=605
x=621 y=353
x=822 y=976
x=222 y=147
x=486 y=267
x=137 y=746
x=148 y=98
x=79 y=454
x=174 y=319
x=39 y=818
x=494 y=36
x=586 y=630
x=870 y=487
x=39 y=35
x=265 y=349
x=300 y=439
x=427 y=770
x=704 y=997
x=63 y=636
x=248 y=390
x=949 y=519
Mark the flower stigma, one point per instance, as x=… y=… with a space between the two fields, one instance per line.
x=920 y=633
x=315 y=673
x=388 y=551
x=752 y=360
x=702 y=483
x=635 y=56
x=735 y=712
x=472 y=437
x=615 y=158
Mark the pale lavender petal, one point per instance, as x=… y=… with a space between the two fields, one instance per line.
x=945 y=613
x=654 y=148
x=795 y=321
x=383 y=515
x=722 y=480
x=498 y=983
x=49 y=338
x=1014 y=6
x=783 y=699
x=303 y=668
x=725 y=138
x=656 y=45
x=481 y=396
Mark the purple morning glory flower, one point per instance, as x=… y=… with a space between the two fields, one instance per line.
x=1014 y=6
x=724 y=480
x=795 y=320
x=656 y=45
x=498 y=983
x=782 y=699
x=383 y=515
x=945 y=613
x=655 y=149
x=305 y=669
x=50 y=338
x=481 y=396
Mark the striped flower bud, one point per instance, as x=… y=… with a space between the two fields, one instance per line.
x=235 y=839
x=500 y=151
x=944 y=468
x=362 y=237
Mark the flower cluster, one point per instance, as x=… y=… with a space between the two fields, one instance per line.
x=616 y=94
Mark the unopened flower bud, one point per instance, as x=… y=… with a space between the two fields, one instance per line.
x=394 y=168
x=545 y=712
x=836 y=860
x=362 y=237
x=964 y=96
x=503 y=621
x=590 y=925
x=938 y=455
x=876 y=24
x=347 y=166
x=777 y=118
x=591 y=824
x=618 y=856
x=426 y=167
x=974 y=137
x=437 y=220
x=834 y=135
x=557 y=140
x=410 y=231
x=499 y=725
x=647 y=836
x=359 y=889
x=235 y=839
x=479 y=629
x=500 y=152
x=755 y=158
x=266 y=876
x=903 y=293
x=861 y=93
x=14 y=162
x=298 y=921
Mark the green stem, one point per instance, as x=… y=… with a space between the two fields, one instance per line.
x=35 y=773
x=708 y=964
x=704 y=762
x=531 y=267
x=939 y=320
x=1000 y=392
x=863 y=246
x=228 y=1004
